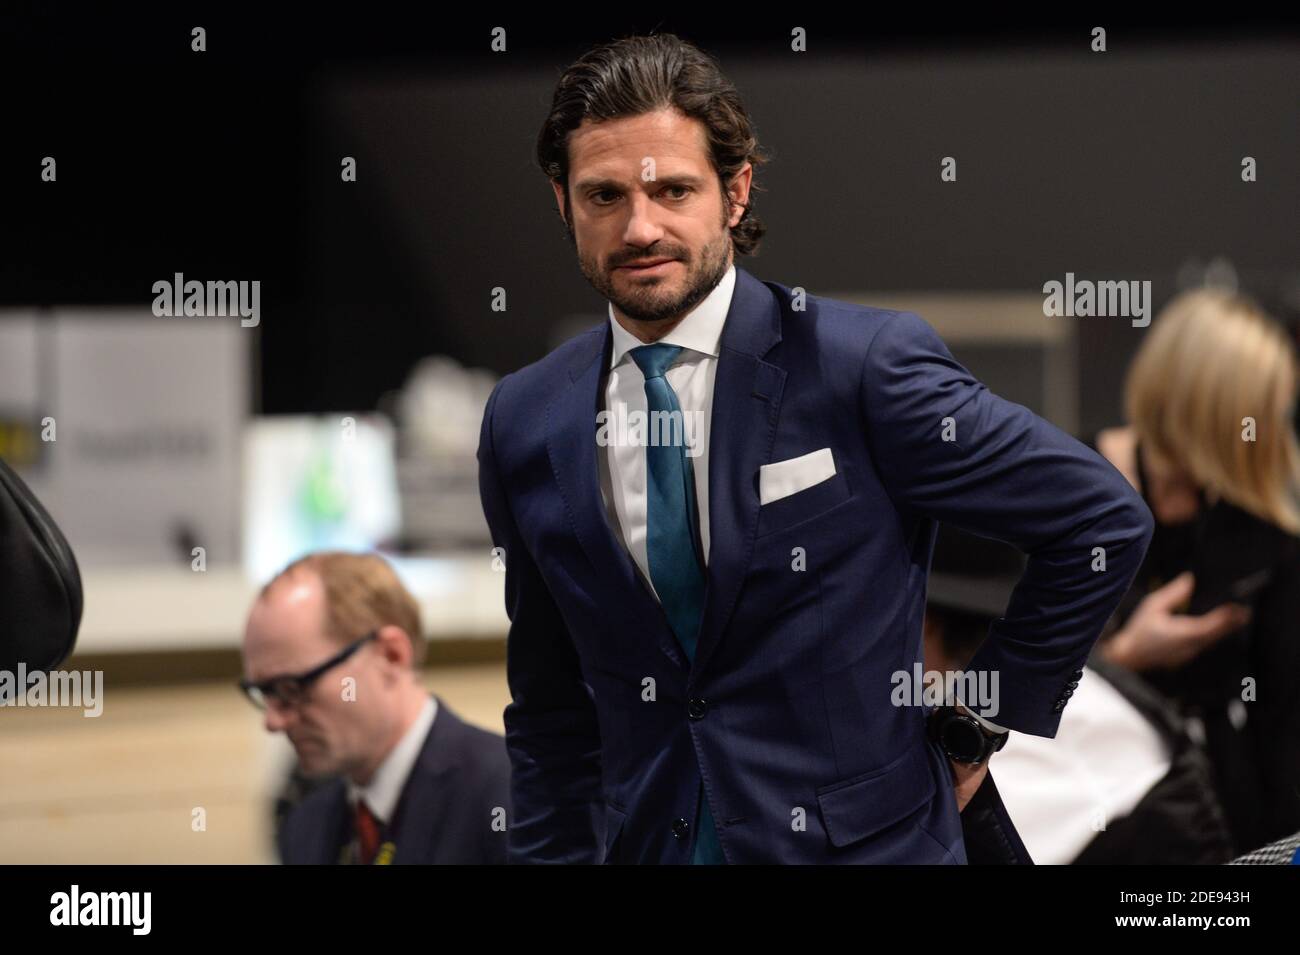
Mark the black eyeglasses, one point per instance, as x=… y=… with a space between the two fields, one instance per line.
x=292 y=689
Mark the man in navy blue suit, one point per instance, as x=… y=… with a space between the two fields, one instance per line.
x=331 y=655
x=717 y=512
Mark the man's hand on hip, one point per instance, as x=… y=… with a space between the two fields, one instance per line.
x=967 y=778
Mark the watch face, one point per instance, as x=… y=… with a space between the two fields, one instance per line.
x=963 y=739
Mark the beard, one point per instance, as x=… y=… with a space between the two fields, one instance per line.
x=661 y=298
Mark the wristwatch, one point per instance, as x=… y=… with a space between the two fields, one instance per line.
x=962 y=737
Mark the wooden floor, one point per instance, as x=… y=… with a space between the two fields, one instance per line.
x=123 y=787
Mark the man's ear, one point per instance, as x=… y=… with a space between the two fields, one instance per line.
x=738 y=192
x=396 y=646
x=558 y=189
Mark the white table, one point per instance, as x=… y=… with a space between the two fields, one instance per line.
x=134 y=609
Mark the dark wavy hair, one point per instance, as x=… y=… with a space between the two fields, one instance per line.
x=642 y=74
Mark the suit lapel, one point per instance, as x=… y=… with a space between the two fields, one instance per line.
x=746 y=405
x=424 y=798
x=571 y=444
x=333 y=833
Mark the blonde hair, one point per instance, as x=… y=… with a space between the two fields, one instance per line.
x=1212 y=359
x=362 y=594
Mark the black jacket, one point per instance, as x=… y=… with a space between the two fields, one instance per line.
x=1255 y=763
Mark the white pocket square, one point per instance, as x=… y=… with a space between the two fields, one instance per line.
x=784 y=478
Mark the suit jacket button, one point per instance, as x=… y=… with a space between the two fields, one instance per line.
x=680 y=828
x=695 y=709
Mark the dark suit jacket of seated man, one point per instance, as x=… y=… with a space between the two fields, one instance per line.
x=456 y=775
x=712 y=682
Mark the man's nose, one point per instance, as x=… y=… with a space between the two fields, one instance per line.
x=643 y=228
x=278 y=716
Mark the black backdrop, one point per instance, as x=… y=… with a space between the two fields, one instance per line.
x=225 y=165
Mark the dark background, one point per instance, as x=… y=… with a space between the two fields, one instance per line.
x=225 y=165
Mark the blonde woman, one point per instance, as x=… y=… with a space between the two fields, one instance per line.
x=1213 y=617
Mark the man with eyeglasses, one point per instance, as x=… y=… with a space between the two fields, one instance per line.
x=332 y=651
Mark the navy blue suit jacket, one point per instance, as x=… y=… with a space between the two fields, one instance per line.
x=787 y=709
x=457 y=784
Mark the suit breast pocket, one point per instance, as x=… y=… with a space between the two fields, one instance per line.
x=802 y=506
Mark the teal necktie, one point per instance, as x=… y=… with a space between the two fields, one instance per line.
x=676 y=568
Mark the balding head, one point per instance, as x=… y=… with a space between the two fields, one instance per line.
x=352 y=714
x=288 y=629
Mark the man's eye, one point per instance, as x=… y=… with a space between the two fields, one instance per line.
x=680 y=192
x=286 y=689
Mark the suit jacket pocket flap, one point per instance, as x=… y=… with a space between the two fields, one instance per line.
x=614 y=819
x=857 y=807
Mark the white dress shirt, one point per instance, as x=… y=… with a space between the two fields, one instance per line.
x=386 y=785
x=691 y=376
